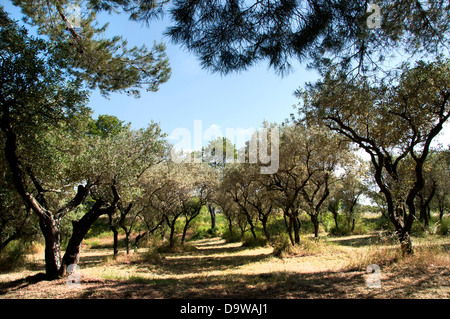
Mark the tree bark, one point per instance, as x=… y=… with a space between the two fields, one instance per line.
x=81 y=228
x=296 y=223
x=171 y=236
x=212 y=213
x=290 y=226
x=441 y=212
x=115 y=235
x=335 y=217
x=123 y=215
x=230 y=225
x=425 y=205
x=315 y=221
x=186 y=227
x=183 y=236
x=293 y=226
x=52 y=236
x=127 y=241
x=252 y=227
x=172 y=231
x=397 y=219
x=264 y=220
x=138 y=238
x=423 y=217
x=405 y=243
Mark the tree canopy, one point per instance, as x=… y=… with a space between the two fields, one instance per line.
x=106 y=64
x=394 y=122
x=230 y=36
x=57 y=157
x=62 y=170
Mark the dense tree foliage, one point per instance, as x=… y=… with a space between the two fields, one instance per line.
x=394 y=122
x=54 y=158
x=62 y=170
x=231 y=36
x=79 y=44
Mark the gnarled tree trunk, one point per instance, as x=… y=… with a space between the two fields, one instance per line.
x=81 y=228
x=52 y=236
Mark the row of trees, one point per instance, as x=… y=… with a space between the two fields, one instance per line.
x=132 y=180
x=393 y=121
x=320 y=172
x=60 y=165
x=390 y=111
x=309 y=159
x=55 y=157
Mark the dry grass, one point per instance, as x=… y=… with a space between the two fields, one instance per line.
x=315 y=269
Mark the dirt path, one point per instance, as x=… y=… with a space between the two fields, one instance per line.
x=223 y=270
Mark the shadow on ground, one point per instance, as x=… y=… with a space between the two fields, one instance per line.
x=269 y=285
x=21 y=283
x=194 y=265
x=200 y=282
x=359 y=241
x=275 y=285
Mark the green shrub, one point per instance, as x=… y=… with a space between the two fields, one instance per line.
x=100 y=228
x=435 y=226
x=307 y=227
x=231 y=237
x=383 y=223
x=152 y=256
x=204 y=233
x=276 y=226
x=345 y=227
x=176 y=248
x=250 y=241
x=328 y=221
x=443 y=227
x=13 y=256
x=281 y=245
x=418 y=229
x=342 y=230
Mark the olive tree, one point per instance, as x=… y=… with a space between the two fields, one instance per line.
x=54 y=164
x=393 y=121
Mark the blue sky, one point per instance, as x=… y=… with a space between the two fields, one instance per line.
x=241 y=100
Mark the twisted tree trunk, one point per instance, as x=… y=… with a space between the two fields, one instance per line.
x=81 y=228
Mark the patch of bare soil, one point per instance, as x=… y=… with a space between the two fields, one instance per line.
x=221 y=270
